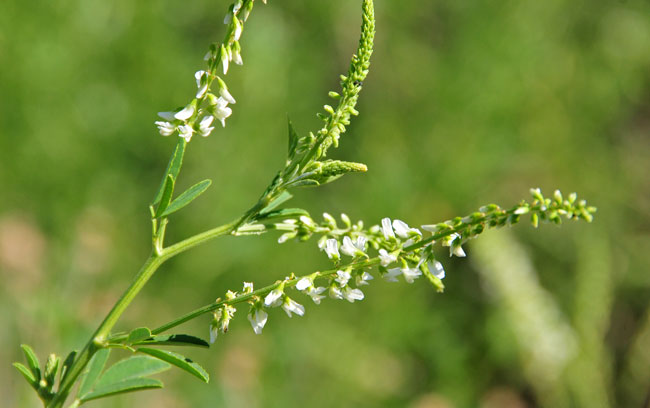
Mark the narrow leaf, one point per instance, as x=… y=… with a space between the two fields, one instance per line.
x=139 y=334
x=187 y=197
x=173 y=340
x=51 y=368
x=66 y=364
x=95 y=368
x=134 y=384
x=293 y=140
x=166 y=195
x=284 y=213
x=179 y=361
x=132 y=367
x=27 y=374
x=277 y=201
x=32 y=361
x=173 y=168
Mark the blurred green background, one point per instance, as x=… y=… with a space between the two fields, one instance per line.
x=467 y=102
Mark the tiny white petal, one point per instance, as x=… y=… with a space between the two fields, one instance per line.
x=304 y=283
x=272 y=298
x=348 y=247
x=342 y=277
x=165 y=128
x=185 y=113
x=352 y=294
x=363 y=279
x=437 y=269
x=335 y=292
x=248 y=287
x=291 y=306
x=410 y=274
x=185 y=131
x=392 y=274
x=386 y=258
x=387 y=229
x=332 y=249
x=168 y=116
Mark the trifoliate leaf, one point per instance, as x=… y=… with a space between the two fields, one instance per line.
x=179 y=361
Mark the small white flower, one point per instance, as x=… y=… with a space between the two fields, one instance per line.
x=360 y=243
x=436 y=269
x=185 y=131
x=222 y=111
x=348 y=248
x=410 y=274
x=204 y=126
x=236 y=53
x=304 y=283
x=185 y=113
x=201 y=83
x=248 y=287
x=168 y=116
x=522 y=210
x=392 y=274
x=165 y=128
x=430 y=227
x=387 y=229
x=258 y=318
x=224 y=58
x=332 y=249
x=329 y=220
x=322 y=242
x=403 y=230
x=315 y=294
x=335 y=292
x=386 y=258
x=454 y=243
x=228 y=18
x=363 y=278
x=223 y=91
x=238 y=29
x=342 y=277
x=352 y=294
x=273 y=298
x=291 y=306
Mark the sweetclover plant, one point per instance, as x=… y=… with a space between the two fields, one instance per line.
x=390 y=249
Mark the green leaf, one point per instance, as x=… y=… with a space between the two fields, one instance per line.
x=95 y=368
x=174 y=340
x=139 y=334
x=51 y=368
x=187 y=197
x=32 y=361
x=66 y=364
x=29 y=376
x=166 y=196
x=293 y=140
x=179 y=361
x=173 y=168
x=284 y=213
x=132 y=367
x=276 y=202
x=133 y=384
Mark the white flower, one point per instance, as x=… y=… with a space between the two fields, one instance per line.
x=291 y=306
x=387 y=229
x=168 y=116
x=165 y=128
x=236 y=53
x=352 y=294
x=315 y=294
x=185 y=131
x=214 y=332
x=410 y=274
x=304 y=283
x=335 y=292
x=403 y=230
x=436 y=269
x=332 y=249
x=223 y=91
x=351 y=249
x=273 y=298
x=248 y=287
x=363 y=278
x=222 y=111
x=386 y=258
x=258 y=318
x=342 y=277
x=430 y=227
x=185 y=113
x=224 y=58
x=392 y=274
x=201 y=83
x=454 y=243
x=204 y=126
x=238 y=29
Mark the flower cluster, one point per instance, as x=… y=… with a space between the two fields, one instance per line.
x=198 y=116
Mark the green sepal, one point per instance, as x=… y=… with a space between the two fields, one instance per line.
x=179 y=361
x=95 y=368
x=168 y=191
x=173 y=168
x=276 y=202
x=134 y=384
x=173 y=340
x=137 y=335
x=187 y=197
x=32 y=361
x=304 y=183
x=26 y=372
x=293 y=140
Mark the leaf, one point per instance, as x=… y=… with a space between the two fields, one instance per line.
x=173 y=168
x=293 y=140
x=284 y=213
x=32 y=361
x=276 y=202
x=95 y=368
x=134 y=384
x=139 y=334
x=187 y=197
x=179 y=361
x=129 y=368
x=66 y=364
x=29 y=376
x=174 y=340
x=166 y=196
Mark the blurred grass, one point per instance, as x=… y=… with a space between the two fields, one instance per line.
x=466 y=103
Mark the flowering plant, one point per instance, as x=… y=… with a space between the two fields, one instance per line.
x=391 y=249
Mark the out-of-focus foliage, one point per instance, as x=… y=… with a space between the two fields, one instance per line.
x=466 y=103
